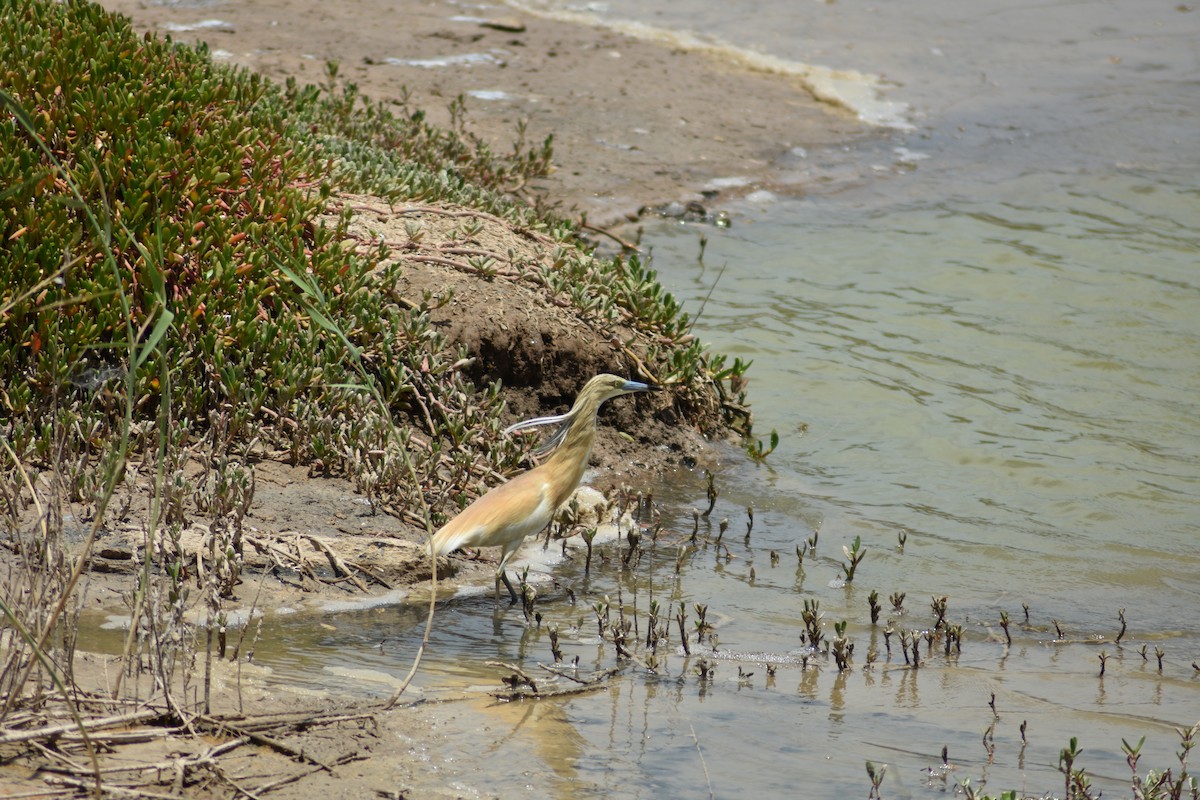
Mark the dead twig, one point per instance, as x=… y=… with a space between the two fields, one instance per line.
x=597 y=681
x=173 y=764
x=632 y=248
x=336 y=563
x=519 y=675
x=108 y=789
x=53 y=731
x=591 y=680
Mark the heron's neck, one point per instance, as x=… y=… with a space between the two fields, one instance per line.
x=567 y=463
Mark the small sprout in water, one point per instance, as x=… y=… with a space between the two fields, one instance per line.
x=1058 y=631
x=902 y=537
x=1025 y=607
x=752 y=573
x=1132 y=754
x=601 y=609
x=633 y=537
x=774 y=558
x=875 y=772
x=1143 y=652
x=724 y=526
x=702 y=627
x=683 y=550
x=938 y=604
x=705 y=670
x=1103 y=658
x=811 y=616
x=1024 y=724
x=855 y=553
x=645 y=504
x=989 y=741
x=842 y=648
x=812 y=542
x=873 y=603
x=554 y=648
x=1066 y=759
x=528 y=595
x=799 y=555
x=992 y=706
x=749 y=521
x=743 y=676
x=652 y=630
x=897 y=600
x=1159 y=653
x=695 y=524
x=1121 y=633
x=588 y=536
x=711 y=492
x=681 y=618
x=759 y=451
x=1004 y=625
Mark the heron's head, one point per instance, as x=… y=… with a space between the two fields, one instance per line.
x=604 y=387
x=596 y=391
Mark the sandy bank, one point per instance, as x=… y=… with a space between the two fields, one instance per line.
x=634 y=122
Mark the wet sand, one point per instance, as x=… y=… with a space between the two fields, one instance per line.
x=635 y=123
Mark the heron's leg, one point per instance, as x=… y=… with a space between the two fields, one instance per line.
x=512 y=595
x=502 y=573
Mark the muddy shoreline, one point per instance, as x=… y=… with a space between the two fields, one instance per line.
x=635 y=123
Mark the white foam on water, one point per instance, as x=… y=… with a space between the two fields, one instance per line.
x=857 y=92
x=762 y=196
x=731 y=182
x=359 y=604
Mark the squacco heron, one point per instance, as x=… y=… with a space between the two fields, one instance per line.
x=511 y=511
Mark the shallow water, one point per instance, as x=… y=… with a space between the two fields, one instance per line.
x=984 y=337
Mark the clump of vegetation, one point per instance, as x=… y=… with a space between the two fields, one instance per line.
x=172 y=200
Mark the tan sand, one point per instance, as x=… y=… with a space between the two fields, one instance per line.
x=635 y=123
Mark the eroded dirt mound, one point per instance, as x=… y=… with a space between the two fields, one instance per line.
x=477 y=283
